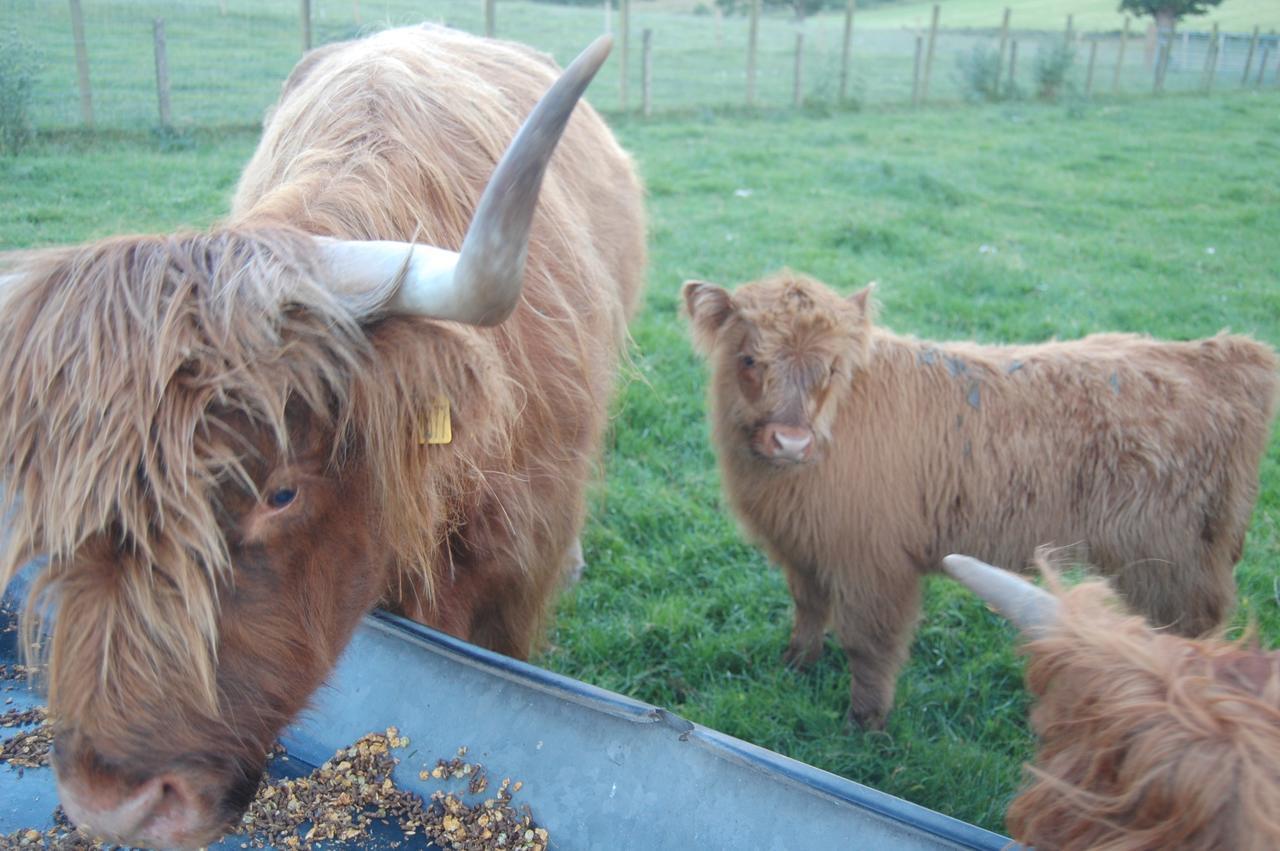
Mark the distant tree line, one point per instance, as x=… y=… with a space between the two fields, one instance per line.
x=799 y=8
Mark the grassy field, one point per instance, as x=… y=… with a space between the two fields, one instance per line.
x=1012 y=223
x=226 y=68
x=1233 y=15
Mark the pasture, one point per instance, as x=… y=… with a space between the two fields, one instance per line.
x=1240 y=15
x=1002 y=223
x=226 y=58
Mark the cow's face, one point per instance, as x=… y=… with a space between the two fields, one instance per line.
x=144 y=753
x=783 y=353
x=175 y=414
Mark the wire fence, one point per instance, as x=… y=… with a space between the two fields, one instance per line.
x=224 y=60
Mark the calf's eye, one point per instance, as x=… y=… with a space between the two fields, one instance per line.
x=281 y=497
x=748 y=361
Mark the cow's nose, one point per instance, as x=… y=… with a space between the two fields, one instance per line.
x=789 y=443
x=162 y=812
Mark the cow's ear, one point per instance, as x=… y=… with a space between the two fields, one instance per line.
x=862 y=300
x=709 y=307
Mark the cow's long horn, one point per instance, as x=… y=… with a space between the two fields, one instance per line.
x=481 y=285
x=1031 y=609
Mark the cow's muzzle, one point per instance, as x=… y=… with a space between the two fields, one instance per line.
x=783 y=444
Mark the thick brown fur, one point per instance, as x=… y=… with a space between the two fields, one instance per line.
x=1147 y=740
x=154 y=390
x=1141 y=455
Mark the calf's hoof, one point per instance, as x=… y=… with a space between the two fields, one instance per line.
x=866 y=719
x=800 y=658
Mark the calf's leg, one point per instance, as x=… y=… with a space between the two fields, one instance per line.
x=874 y=621
x=812 y=601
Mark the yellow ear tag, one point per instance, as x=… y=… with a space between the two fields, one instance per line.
x=437 y=429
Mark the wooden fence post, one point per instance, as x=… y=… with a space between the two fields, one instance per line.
x=1088 y=77
x=624 y=49
x=1013 y=66
x=1248 y=60
x=608 y=16
x=162 y=74
x=82 y=64
x=753 y=34
x=490 y=18
x=646 y=72
x=1262 y=64
x=915 y=73
x=1069 y=34
x=1004 y=43
x=355 y=12
x=928 y=54
x=304 y=14
x=797 y=90
x=1210 y=60
x=1124 y=41
x=222 y=8
x=850 y=7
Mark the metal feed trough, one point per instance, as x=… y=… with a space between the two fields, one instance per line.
x=599 y=770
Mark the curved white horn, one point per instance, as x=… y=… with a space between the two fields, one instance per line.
x=481 y=285
x=1029 y=608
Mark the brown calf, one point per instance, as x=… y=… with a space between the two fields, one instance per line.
x=857 y=458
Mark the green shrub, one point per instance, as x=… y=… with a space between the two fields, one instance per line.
x=980 y=73
x=17 y=77
x=1054 y=59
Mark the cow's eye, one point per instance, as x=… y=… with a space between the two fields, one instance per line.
x=748 y=361
x=280 y=497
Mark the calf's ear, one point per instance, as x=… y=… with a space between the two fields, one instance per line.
x=862 y=299
x=709 y=306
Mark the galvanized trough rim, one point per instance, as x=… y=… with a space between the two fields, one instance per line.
x=779 y=767
x=427 y=662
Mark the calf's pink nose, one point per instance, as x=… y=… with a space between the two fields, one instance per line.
x=790 y=443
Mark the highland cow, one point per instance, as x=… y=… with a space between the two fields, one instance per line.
x=232 y=444
x=1147 y=740
x=857 y=458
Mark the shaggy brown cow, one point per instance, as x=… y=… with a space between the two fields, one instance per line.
x=1147 y=740
x=858 y=458
x=233 y=444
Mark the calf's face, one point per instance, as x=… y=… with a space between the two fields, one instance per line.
x=783 y=353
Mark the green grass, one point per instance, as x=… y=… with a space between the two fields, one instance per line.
x=226 y=69
x=1232 y=15
x=1100 y=217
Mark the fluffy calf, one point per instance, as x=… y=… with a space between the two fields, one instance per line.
x=857 y=458
x=1147 y=740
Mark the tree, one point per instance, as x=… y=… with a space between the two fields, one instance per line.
x=1167 y=12
x=800 y=8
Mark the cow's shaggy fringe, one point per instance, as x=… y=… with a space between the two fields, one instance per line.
x=128 y=369
x=120 y=364
x=1148 y=740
